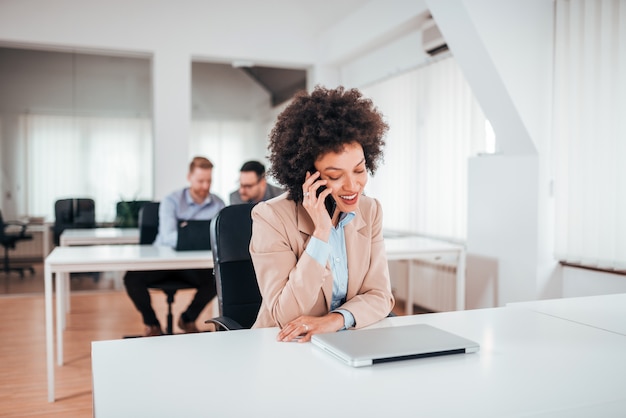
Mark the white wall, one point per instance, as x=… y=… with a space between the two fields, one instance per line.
x=581 y=282
x=502 y=220
x=376 y=41
x=38 y=80
x=221 y=91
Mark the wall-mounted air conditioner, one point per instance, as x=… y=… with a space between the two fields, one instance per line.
x=432 y=40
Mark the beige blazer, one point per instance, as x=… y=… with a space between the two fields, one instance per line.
x=292 y=283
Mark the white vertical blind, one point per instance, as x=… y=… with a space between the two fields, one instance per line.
x=435 y=125
x=590 y=132
x=106 y=159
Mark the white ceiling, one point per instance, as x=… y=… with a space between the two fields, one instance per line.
x=317 y=15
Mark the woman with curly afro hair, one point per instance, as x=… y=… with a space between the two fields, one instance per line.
x=318 y=249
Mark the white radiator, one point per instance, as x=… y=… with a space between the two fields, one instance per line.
x=434 y=286
x=434 y=283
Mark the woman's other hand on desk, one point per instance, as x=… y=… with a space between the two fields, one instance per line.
x=302 y=328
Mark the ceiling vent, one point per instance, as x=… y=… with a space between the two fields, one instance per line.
x=432 y=40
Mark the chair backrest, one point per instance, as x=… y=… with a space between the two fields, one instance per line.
x=237 y=288
x=127 y=213
x=148 y=222
x=2 y=226
x=73 y=213
x=76 y=212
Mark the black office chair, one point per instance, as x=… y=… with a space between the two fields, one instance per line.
x=148 y=229
x=237 y=288
x=73 y=213
x=8 y=241
x=238 y=292
x=127 y=213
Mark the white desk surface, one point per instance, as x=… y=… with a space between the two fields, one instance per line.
x=102 y=258
x=95 y=236
x=607 y=312
x=529 y=364
x=124 y=257
x=407 y=247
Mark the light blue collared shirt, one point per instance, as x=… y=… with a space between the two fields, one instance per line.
x=178 y=206
x=335 y=253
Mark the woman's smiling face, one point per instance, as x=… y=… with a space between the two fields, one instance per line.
x=346 y=174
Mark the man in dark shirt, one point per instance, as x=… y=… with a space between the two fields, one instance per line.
x=253 y=187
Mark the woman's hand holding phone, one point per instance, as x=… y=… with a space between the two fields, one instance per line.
x=314 y=201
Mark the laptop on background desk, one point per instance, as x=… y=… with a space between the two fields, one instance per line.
x=359 y=348
x=193 y=235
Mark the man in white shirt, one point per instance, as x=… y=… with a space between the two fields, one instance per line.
x=193 y=202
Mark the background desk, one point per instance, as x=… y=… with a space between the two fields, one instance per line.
x=398 y=248
x=103 y=258
x=37 y=228
x=606 y=312
x=99 y=236
x=529 y=365
x=411 y=248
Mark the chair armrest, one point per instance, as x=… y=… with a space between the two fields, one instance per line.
x=224 y=323
x=17 y=223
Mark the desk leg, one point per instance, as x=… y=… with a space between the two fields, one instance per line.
x=62 y=298
x=46 y=241
x=67 y=282
x=49 y=331
x=118 y=280
x=460 y=281
x=408 y=309
x=60 y=294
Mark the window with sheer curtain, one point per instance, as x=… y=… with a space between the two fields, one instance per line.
x=227 y=143
x=590 y=133
x=435 y=125
x=106 y=159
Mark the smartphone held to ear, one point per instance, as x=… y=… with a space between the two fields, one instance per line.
x=329 y=202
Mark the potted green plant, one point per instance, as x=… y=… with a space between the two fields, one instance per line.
x=128 y=213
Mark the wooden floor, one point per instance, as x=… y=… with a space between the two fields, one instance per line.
x=99 y=312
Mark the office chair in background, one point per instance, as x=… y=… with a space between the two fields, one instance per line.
x=148 y=229
x=237 y=288
x=73 y=213
x=8 y=241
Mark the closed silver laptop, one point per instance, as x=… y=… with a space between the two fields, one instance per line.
x=365 y=347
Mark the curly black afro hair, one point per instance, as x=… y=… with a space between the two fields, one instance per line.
x=322 y=122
